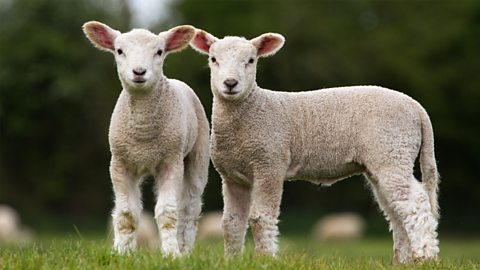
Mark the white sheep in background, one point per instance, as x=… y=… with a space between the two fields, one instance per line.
x=339 y=226
x=158 y=128
x=260 y=138
x=210 y=226
x=11 y=229
x=147 y=236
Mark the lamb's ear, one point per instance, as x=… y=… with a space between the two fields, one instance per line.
x=202 y=41
x=101 y=35
x=178 y=38
x=268 y=44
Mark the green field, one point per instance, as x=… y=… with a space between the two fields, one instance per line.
x=297 y=253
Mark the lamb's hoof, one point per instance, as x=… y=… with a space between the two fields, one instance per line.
x=172 y=252
x=122 y=250
x=400 y=257
x=424 y=259
x=265 y=253
x=425 y=254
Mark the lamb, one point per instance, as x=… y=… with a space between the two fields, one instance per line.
x=261 y=138
x=159 y=128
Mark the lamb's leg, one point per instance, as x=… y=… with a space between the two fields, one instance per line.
x=190 y=201
x=409 y=201
x=265 y=209
x=169 y=182
x=236 y=199
x=401 y=244
x=128 y=207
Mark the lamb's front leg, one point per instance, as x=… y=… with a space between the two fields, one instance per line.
x=128 y=207
x=265 y=209
x=169 y=183
x=236 y=198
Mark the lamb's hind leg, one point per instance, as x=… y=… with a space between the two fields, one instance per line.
x=190 y=200
x=401 y=244
x=169 y=183
x=128 y=207
x=409 y=201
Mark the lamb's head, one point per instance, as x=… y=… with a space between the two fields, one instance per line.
x=139 y=54
x=233 y=61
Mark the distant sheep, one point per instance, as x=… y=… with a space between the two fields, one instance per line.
x=11 y=229
x=261 y=138
x=339 y=226
x=210 y=226
x=147 y=235
x=158 y=128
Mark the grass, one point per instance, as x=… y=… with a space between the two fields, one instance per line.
x=296 y=253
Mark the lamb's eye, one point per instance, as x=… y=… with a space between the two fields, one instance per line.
x=159 y=52
x=251 y=61
x=213 y=59
x=119 y=51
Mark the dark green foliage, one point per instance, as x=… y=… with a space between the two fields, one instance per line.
x=57 y=93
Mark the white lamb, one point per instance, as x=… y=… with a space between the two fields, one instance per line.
x=158 y=128
x=261 y=138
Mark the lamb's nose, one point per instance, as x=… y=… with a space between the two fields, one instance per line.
x=230 y=83
x=139 y=71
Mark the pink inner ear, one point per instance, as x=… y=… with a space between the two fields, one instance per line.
x=102 y=37
x=267 y=45
x=200 y=41
x=176 y=40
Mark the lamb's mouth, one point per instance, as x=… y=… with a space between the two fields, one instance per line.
x=139 y=81
x=230 y=93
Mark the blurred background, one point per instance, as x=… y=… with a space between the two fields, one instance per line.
x=57 y=93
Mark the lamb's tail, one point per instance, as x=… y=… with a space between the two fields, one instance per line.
x=428 y=164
